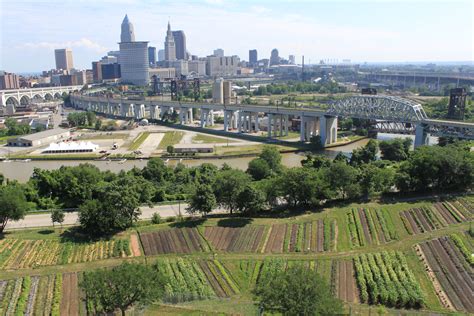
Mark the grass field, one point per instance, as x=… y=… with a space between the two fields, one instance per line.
x=138 y=141
x=219 y=260
x=170 y=139
x=103 y=136
x=203 y=138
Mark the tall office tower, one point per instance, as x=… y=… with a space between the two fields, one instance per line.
x=9 y=81
x=253 y=57
x=161 y=55
x=274 y=58
x=152 y=55
x=180 y=44
x=219 y=52
x=127 y=34
x=170 y=47
x=97 y=71
x=133 y=57
x=63 y=59
x=291 y=59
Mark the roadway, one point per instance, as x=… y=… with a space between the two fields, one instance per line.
x=71 y=218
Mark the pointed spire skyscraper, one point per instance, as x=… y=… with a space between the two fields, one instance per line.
x=127 y=34
x=170 y=46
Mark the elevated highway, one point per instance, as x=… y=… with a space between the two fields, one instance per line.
x=392 y=111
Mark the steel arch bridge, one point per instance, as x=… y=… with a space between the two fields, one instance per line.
x=22 y=97
x=376 y=107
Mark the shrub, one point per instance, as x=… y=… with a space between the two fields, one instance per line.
x=156 y=218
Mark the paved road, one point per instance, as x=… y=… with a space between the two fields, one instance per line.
x=43 y=220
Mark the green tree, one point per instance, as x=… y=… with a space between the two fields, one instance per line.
x=396 y=149
x=91 y=118
x=297 y=291
x=272 y=156
x=365 y=154
x=343 y=179
x=13 y=204
x=122 y=287
x=374 y=179
x=98 y=124
x=303 y=186
x=2 y=179
x=259 y=169
x=250 y=200
x=57 y=216
x=227 y=187
x=202 y=201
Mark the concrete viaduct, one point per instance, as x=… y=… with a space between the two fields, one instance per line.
x=246 y=118
x=23 y=97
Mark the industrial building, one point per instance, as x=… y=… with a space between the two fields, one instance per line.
x=71 y=147
x=40 y=138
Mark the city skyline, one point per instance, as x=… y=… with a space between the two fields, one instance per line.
x=375 y=31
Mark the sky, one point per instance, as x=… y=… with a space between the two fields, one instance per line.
x=363 y=31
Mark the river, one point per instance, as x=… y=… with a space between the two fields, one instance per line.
x=22 y=171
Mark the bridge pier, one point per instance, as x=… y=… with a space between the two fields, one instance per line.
x=139 y=111
x=328 y=129
x=308 y=127
x=421 y=136
x=207 y=118
x=270 y=122
x=154 y=112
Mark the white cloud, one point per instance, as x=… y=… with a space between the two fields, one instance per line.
x=82 y=43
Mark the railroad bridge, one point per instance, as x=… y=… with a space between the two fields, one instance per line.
x=401 y=115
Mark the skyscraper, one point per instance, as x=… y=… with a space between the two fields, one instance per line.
x=63 y=59
x=161 y=55
x=152 y=55
x=219 y=52
x=274 y=57
x=180 y=44
x=170 y=47
x=127 y=35
x=291 y=59
x=133 y=57
x=253 y=57
x=97 y=71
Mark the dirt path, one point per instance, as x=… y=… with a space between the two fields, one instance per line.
x=135 y=245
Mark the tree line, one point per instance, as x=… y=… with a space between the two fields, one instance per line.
x=108 y=202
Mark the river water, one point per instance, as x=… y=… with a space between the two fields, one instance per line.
x=22 y=171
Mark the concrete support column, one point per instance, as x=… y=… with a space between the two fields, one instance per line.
x=307 y=129
x=286 y=125
x=421 y=136
x=226 y=121
x=270 y=119
x=204 y=115
x=257 y=123
x=182 y=117
x=328 y=130
x=239 y=121
x=211 y=117
x=302 y=129
x=190 y=116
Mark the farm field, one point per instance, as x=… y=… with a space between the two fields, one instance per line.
x=450 y=266
x=370 y=226
x=364 y=251
x=175 y=240
x=24 y=253
x=441 y=214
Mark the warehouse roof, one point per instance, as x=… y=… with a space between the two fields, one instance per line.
x=44 y=134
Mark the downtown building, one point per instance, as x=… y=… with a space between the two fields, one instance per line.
x=63 y=58
x=133 y=57
x=222 y=66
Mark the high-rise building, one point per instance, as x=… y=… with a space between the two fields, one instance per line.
x=63 y=59
x=253 y=57
x=133 y=57
x=219 y=52
x=110 y=72
x=161 y=55
x=127 y=34
x=97 y=71
x=170 y=47
x=274 y=57
x=152 y=55
x=180 y=44
x=291 y=59
x=8 y=81
x=222 y=66
x=197 y=67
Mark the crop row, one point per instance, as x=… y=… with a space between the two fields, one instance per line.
x=186 y=280
x=235 y=239
x=176 y=240
x=448 y=267
x=314 y=236
x=36 y=295
x=219 y=278
x=370 y=226
x=21 y=254
x=385 y=278
x=441 y=214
